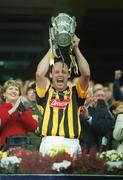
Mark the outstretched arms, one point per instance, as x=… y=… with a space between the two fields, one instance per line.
x=84 y=69
x=82 y=63
x=42 y=69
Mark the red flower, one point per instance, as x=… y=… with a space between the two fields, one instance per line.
x=18 y=154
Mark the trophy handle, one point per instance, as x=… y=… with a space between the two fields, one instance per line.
x=54 y=46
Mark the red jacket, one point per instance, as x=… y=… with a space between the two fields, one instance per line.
x=15 y=124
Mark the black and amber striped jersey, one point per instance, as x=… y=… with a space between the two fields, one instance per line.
x=60 y=110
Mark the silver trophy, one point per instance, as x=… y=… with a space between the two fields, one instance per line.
x=61 y=32
x=64 y=28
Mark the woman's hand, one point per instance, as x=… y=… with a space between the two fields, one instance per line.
x=14 y=108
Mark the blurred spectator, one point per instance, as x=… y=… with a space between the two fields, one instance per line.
x=117 y=88
x=95 y=129
x=109 y=93
x=118 y=128
x=30 y=96
x=104 y=106
x=99 y=127
x=30 y=102
x=97 y=86
x=15 y=119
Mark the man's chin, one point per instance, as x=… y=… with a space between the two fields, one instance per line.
x=60 y=87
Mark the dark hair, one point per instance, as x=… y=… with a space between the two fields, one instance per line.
x=57 y=60
x=33 y=86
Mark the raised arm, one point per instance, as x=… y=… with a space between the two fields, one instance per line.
x=82 y=64
x=42 y=70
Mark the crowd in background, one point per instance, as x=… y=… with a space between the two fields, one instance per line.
x=103 y=129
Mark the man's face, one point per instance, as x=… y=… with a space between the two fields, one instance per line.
x=31 y=95
x=100 y=94
x=119 y=109
x=60 y=75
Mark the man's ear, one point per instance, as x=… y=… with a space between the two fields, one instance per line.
x=51 y=75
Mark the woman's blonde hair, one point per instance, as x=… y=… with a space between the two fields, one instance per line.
x=115 y=104
x=8 y=83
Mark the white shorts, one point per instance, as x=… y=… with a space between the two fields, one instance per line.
x=51 y=145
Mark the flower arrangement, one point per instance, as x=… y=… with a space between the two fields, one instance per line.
x=22 y=161
x=2 y=154
x=114 y=161
x=38 y=164
x=9 y=164
x=11 y=159
x=17 y=151
x=19 y=160
x=111 y=155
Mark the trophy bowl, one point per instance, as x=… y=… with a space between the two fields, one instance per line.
x=64 y=27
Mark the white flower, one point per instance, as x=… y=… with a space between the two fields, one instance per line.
x=111 y=155
x=112 y=165
x=8 y=161
x=61 y=165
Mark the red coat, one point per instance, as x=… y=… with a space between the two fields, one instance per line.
x=15 y=124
